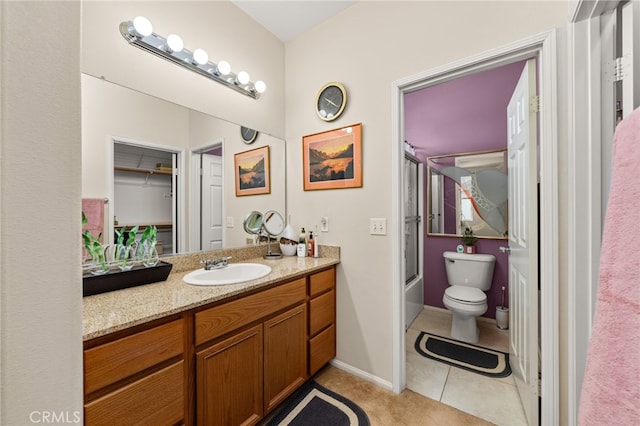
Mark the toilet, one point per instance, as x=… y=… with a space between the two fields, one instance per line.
x=469 y=276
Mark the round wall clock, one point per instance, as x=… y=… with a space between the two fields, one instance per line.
x=331 y=100
x=248 y=135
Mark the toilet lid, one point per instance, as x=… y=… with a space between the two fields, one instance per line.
x=466 y=294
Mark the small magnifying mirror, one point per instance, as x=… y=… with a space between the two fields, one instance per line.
x=272 y=223
x=253 y=223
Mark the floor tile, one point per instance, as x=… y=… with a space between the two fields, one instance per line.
x=489 y=399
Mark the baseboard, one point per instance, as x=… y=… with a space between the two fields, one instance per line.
x=385 y=384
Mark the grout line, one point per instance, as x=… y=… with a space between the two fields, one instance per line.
x=446 y=380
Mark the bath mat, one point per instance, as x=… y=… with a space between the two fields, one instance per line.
x=463 y=355
x=315 y=405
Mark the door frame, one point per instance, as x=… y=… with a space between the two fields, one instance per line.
x=179 y=225
x=542 y=46
x=195 y=182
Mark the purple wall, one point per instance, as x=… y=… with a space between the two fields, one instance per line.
x=462 y=115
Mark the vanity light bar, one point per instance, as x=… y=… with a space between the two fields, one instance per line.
x=139 y=33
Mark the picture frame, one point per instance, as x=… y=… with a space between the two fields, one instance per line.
x=253 y=172
x=333 y=159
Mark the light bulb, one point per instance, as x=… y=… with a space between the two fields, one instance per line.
x=200 y=57
x=243 y=77
x=142 y=26
x=260 y=86
x=174 y=43
x=224 y=67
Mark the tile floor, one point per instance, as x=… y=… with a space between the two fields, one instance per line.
x=493 y=399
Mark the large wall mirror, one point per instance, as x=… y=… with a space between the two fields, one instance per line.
x=468 y=190
x=158 y=163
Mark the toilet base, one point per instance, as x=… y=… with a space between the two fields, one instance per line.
x=464 y=328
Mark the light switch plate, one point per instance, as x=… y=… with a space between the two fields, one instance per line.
x=324 y=224
x=378 y=226
x=229 y=221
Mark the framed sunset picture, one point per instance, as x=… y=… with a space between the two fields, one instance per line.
x=252 y=172
x=333 y=159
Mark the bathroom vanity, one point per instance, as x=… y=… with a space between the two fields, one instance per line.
x=172 y=353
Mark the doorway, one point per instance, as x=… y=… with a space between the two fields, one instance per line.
x=145 y=191
x=543 y=47
x=207 y=201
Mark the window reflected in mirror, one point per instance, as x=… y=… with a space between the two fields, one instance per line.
x=468 y=190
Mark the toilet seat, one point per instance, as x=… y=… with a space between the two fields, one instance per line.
x=466 y=295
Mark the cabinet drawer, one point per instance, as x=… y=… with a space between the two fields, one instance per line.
x=322 y=312
x=322 y=281
x=108 y=363
x=322 y=349
x=157 y=399
x=227 y=317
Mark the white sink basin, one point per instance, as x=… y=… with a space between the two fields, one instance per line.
x=233 y=273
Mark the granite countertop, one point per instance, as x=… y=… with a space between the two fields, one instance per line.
x=108 y=312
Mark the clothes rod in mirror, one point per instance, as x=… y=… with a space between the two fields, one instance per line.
x=139 y=33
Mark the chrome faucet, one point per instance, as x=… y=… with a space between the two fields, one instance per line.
x=215 y=263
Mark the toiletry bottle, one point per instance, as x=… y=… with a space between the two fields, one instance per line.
x=310 y=245
x=316 y=243
x=302 y=244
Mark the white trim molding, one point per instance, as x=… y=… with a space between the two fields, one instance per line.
x=542 y=46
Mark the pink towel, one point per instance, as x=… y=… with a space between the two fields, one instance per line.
x=611 y=387
x=93 y=209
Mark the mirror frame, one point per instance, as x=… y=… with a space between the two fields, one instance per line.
x=429 y=194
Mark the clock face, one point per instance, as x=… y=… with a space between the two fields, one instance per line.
x=331 y=101
x=248 y=135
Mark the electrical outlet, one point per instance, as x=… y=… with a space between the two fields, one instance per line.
x=229 y=221
x=324 y=224
x=378 y=226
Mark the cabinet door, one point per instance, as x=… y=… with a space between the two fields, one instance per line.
x=285 y=352
x=229 y=380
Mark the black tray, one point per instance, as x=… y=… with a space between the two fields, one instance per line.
x=117 y=280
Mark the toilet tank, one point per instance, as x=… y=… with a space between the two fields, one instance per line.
x=470 y=270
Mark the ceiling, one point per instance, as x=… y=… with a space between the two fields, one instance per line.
x=288 y=19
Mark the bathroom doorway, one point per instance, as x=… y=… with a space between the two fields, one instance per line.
x=444 y=128
x=207 y=202
x=541 y=46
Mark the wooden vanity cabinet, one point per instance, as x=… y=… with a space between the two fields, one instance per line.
x=252 y=354
x=322 y=319
x=229 y=363
x=138 y=378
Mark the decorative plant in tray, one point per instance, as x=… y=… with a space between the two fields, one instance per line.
x=95 y=250
x=125 y=250
x=147 y=251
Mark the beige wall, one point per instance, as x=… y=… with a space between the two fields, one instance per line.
x=367 y=47
x=40 y=281
x=220 y=28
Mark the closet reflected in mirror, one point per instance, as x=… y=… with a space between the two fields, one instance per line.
x=468 y=190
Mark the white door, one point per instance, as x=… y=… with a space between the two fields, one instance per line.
x=523 y=240
x=212 y=193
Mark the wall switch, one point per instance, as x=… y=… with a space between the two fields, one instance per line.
x=378 y=226
x=324 y=224
x=229 y=221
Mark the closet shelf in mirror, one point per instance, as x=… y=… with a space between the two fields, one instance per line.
x=141 y=226
x=144 y=171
